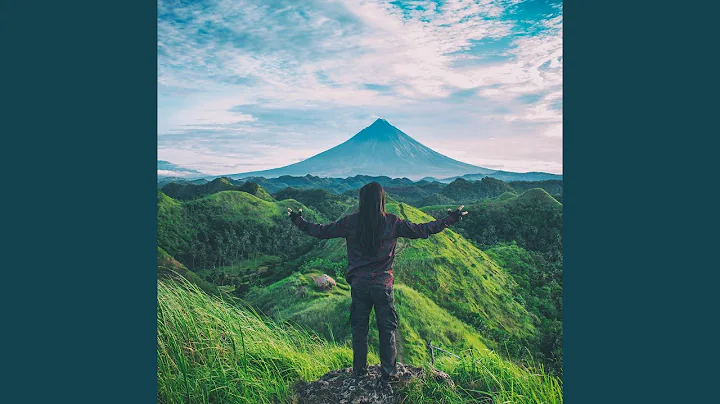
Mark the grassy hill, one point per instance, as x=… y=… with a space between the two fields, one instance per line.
x=533 y=219
x=553 y=187
x=448 y=290
x=330 y=205
x=456 y=276
x=170 y=268
x=211 y=351
x=335 y=185
x=523 y=234
x=464 y=191
x=540 y=284
x=226 y=227
x=298 y=300
x=468 y=189
x=186 y=191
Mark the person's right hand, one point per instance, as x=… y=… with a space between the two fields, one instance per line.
x=293 y=215
x=458 y=213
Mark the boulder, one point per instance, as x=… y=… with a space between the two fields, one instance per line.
x=325 y=282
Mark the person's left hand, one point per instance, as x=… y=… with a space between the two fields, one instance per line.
x=458 y=213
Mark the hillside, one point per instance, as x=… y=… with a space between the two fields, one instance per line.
x=416 y=193
x=212 y=351
x=455 y=275
x=275 y=184
x=231 y=227
x=188 y=191
x=246 y=246
x=523 y=234
x=553 y=187
x=540 y=287
x=170 y=268
x=465 y=191
x=226 y=227
x=330 y=205
x=533 y=219
x=299 y=300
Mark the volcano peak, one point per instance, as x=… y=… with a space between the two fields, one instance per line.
x=381 y=122
x=380 y=130
x=378 y=149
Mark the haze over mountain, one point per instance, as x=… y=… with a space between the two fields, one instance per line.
x=168 y=169
x=379 y=149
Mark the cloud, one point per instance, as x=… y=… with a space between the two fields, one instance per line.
x=234 y=75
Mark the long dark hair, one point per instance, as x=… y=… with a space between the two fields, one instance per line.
x=371 y=215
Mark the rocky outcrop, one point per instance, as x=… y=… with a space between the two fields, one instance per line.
x=325 y=282
x=341 y=387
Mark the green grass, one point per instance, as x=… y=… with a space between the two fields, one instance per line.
x=461 y=299
x=235 y=206
x=210 y=351
x=484 y=377
x=421 y=320
x=457 y=276
x=228 y=207
x=299 y=301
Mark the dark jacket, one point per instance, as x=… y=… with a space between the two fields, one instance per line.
x=376 y=269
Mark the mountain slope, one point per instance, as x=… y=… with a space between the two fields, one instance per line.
x=534 y=219
x=209 y=350
x=329 y=204
x=465 y=191
x=297 y=299
x=227 y=226
x=170 y=268
x=455 y=275
x=379 y=149
x=186 y=191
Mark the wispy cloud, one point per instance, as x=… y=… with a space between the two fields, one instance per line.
x=263 y=84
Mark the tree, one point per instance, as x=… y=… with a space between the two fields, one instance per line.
x=258 y=245
x=220 y=243
x=245 y=243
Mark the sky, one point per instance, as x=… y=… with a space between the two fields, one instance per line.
x=251 y=85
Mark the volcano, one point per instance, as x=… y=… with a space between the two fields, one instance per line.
x=379 y=149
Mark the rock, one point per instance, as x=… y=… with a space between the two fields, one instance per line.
x=325 y=282
x=341 y=387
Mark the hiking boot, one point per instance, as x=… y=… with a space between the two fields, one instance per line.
x=383 y=384
x=390 y=379
x=359 y=375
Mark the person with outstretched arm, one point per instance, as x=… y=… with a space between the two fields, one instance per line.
x=371 y=235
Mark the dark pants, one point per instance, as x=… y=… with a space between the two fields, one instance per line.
x=364 y=297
